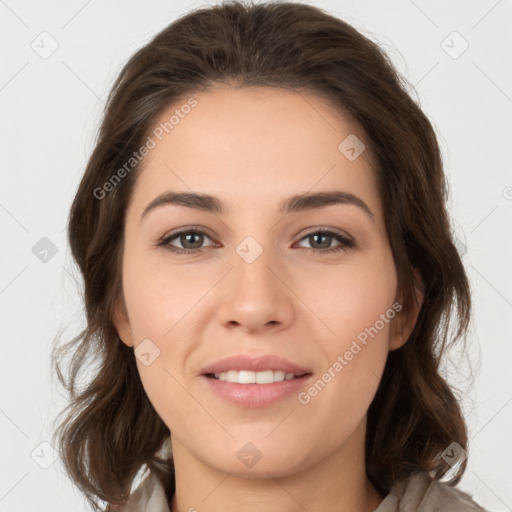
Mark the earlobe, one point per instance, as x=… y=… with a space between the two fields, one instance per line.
x=405 y=322
x=121 y=323
x=397 y=340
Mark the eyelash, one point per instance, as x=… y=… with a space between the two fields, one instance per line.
x=346 y=243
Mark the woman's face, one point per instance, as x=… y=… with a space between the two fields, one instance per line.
x=309 y=283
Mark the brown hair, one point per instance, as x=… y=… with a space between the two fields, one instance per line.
x=111 y=429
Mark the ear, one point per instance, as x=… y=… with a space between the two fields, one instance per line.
x=121 y=322
x=403 y=324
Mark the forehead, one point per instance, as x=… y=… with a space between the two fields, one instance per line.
x=253 y=145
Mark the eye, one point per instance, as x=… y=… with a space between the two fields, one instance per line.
x=324 y=238
x=191 y=240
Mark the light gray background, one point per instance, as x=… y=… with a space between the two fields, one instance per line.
x=51 y=109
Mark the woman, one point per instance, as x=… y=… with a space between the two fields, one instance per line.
x=269 y=278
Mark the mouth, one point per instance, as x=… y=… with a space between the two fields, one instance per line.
x=255 y=381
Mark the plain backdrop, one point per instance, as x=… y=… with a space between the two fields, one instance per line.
x=457 y=56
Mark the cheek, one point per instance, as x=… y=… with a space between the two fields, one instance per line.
x=349 y=298
x=357 y=306
x=158 y=320
x=157 y=298
x=162 y=306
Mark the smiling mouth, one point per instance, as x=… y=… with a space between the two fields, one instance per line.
x=251 y=377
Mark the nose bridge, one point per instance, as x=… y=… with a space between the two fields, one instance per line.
x=252 y=268
x=256 y=296
x=252 y=274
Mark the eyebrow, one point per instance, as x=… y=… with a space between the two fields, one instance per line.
x=296 y=203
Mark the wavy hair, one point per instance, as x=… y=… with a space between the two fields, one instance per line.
x=110 y=429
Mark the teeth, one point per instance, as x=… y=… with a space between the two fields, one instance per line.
x=248 y=377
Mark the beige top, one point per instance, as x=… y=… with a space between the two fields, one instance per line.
x=416 y=494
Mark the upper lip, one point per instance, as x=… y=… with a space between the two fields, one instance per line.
x=255 y=364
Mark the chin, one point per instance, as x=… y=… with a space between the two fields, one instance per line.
x=258 y=458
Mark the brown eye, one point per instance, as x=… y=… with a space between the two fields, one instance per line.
x=321 y=241
x=191 y=241
x=193 y=238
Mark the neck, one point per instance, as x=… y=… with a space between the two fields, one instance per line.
x=338 y=483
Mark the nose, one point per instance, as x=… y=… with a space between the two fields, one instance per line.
x=258 y=297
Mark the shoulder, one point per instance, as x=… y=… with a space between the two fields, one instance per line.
x=421 y=493
x=418 y=493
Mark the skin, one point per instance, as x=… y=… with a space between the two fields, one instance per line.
x=252 y=148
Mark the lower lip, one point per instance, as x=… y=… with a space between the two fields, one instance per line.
x=256 y=395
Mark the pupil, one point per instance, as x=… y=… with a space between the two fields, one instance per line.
x=188 y=237
x=324 y=236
